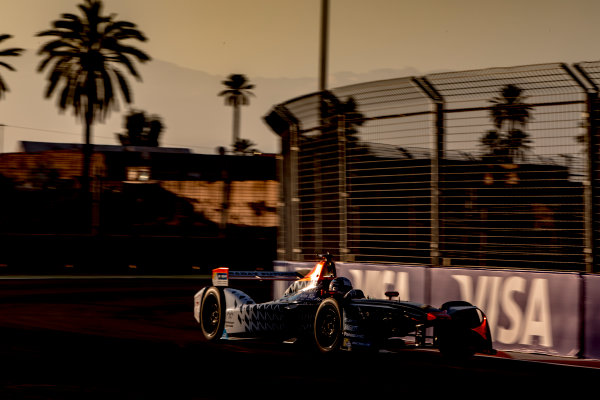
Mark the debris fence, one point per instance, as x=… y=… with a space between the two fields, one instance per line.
x=484 y=168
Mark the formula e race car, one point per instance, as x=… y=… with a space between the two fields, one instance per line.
x=326 y=311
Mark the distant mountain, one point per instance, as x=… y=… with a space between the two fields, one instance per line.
x=186 y=100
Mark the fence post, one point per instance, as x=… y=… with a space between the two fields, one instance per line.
x=318 y=200
x=589 y=183
x=289 y=196
x=286 y=126
x=343 y=190
x=293 y=233
x=438 y=154
x=435 y=183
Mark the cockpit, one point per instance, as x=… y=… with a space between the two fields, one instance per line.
x=318 y=278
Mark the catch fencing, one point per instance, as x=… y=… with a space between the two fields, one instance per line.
x=486 y=168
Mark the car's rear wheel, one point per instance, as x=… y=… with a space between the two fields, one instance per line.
x=212 y=318
x=454 y=343
x=456 y=337
x=327 y=328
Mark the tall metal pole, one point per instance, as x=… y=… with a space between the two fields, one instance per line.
x=2 y=138
x=318 y=171
x=324 y=44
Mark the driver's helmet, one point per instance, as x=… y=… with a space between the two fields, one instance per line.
x=340 y=285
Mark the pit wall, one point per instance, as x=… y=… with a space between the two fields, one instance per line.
x=537 y=312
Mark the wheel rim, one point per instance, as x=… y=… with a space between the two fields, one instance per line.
x=328 y=327
x=211 y=316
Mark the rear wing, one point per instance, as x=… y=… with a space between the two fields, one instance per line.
x=221 y=276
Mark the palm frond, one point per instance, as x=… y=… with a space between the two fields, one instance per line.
x=124 y=86
x=10 y=52
x=130 y=50
x=7 y=66
x=80 y=58
x=3 y=87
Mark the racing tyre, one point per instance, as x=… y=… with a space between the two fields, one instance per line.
x=212 y=315
x=457 y=338
x=327 y=328
x=454 y=345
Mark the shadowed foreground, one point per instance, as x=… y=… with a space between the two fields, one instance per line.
x=136 y=339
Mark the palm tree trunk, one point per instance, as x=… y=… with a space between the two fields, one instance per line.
x=236 y=123
x=85 y=176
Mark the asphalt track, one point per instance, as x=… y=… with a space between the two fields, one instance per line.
x=135 y=338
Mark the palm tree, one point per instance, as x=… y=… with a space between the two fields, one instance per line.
x=508 y=110
x=236 y=95
x=84 y=60
x=332 y=108
x=141 y=129
x=510 y=107
x=244 y=146
x=11 y=52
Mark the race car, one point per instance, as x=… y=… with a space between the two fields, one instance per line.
x=323 y=309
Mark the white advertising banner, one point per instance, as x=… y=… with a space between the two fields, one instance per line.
x=527 y=311
x=376 y=279
x=592 y=316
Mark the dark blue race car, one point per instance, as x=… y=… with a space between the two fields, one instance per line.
x=325 y=310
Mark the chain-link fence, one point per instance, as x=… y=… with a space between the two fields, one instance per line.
x=486 y=168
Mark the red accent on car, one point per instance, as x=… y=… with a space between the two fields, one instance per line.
x=314 y=274
x=482 y=329
x=437 y=315
x=320 y=271
x=433 y=315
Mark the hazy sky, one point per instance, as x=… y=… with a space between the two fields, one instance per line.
x=277 y=39
x=280 y=38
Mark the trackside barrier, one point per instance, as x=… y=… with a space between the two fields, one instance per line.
x=539 y=312
x=527 y=311
x=592 y=317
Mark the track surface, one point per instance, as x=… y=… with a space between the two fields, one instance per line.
x=136 y=339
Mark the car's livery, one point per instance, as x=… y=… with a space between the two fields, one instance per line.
x=324 y=309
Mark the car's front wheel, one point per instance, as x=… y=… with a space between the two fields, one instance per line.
x=212 y=319
x=327 y=329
